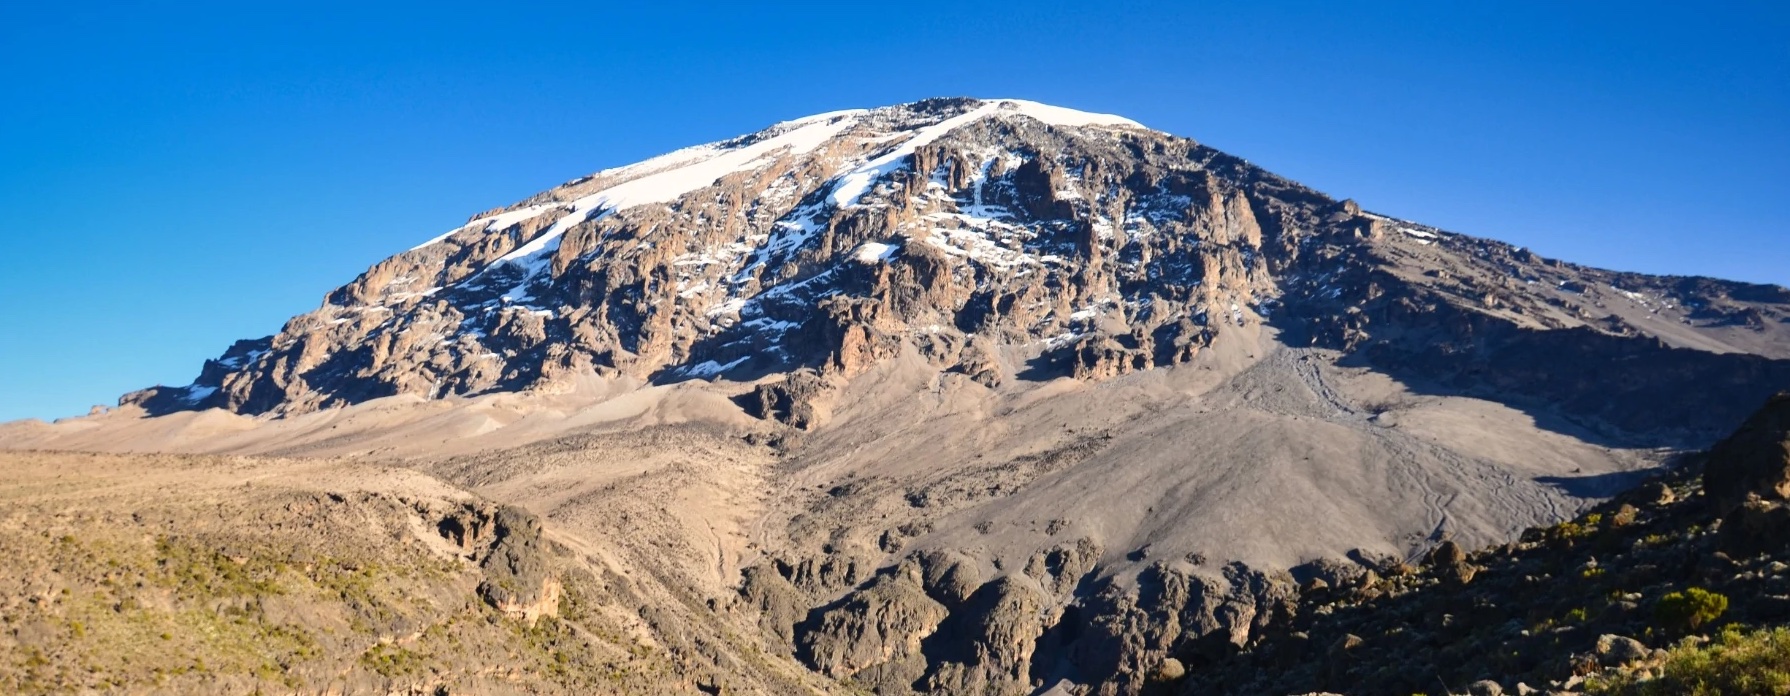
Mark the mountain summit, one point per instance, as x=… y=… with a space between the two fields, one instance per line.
x=1001 y=239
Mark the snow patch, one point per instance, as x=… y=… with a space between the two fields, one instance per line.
x=1059 y=116
x=825 y=116
x=854 y=184
x=673 y=176
x=710 y=368
x=732 y=306
x=1060 y=340
x=1635 y=297
x=875 y=252
x=499 y=221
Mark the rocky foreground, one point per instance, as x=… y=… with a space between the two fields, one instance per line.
x=185 y=575
x=1595 y=604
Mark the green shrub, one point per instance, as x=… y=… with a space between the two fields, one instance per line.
x=391 y=661
x=1573 y=531
x=1691 y=609
x=1736 y=663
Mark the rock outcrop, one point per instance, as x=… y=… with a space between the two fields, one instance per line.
x=518 y=581
x=926 y=624
x=874 y=635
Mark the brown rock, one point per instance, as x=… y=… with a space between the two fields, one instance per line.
x=790 y=401
x=1102 y=357
x=1614 y=650
x=518 y=581
x=1657 y=494
x=1447 y=554
x=877 y=629
x=1171 y=669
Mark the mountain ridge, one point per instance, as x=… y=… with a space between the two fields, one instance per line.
x=818 y=243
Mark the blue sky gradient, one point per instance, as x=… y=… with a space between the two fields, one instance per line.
x=175 y=179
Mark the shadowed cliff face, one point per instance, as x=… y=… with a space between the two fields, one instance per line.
x=1004 y=240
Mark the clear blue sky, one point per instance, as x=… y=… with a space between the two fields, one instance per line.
x=174 y=179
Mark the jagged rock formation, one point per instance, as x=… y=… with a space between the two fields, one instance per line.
x=517 y=581
x=992 y=238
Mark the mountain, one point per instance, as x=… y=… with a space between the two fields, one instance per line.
x=959 y=396
x=1002 y=240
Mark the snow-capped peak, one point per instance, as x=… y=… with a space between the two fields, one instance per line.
x=666 y=178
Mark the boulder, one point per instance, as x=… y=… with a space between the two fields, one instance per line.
x=1614 y=650
x=1446 y=555
x=790 y=401
x=986 y=646
x=1657 y=494
x=949 y=577
x=779 y=604
x=1485 y=687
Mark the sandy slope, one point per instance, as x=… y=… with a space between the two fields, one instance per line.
x=1254 y=452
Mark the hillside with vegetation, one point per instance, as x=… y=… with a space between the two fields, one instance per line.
x=1678 y=586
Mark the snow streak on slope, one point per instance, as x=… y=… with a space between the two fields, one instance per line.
x=669 y=183
x=662 y=179
x=854 y=185
x=666 y=178
x=847 y=189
